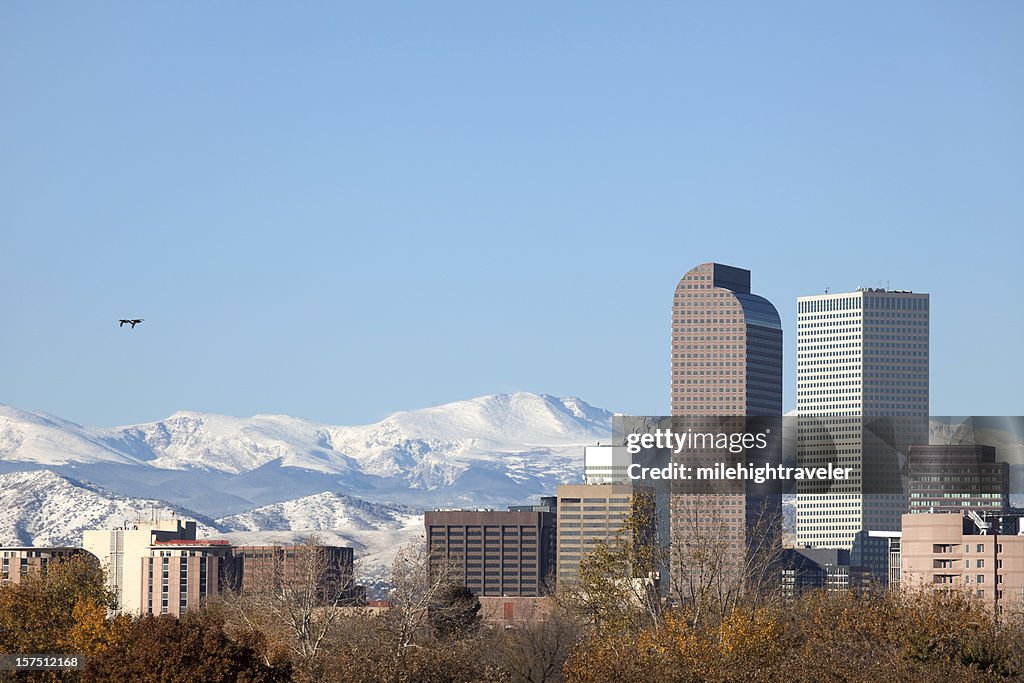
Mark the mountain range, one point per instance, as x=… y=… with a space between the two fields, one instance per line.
x=274 y=476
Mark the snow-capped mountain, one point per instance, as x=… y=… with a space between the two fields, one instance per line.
x=320 y=512
x=44 y=508
x=492 y=450
x=375 y=531
x=43 y=439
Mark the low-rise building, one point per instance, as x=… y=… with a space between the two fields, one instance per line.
x=15 y=563
x=983 y=557
x=829 y=569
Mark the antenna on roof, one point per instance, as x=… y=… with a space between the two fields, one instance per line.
x=826 y=290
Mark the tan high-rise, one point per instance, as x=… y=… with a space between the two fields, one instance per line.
x=726 y=362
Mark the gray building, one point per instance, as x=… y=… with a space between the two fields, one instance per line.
x=828 y=569
x=956 y=478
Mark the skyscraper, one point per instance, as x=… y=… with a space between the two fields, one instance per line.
x=726 y=346
x=862 y=399
x=726 y=362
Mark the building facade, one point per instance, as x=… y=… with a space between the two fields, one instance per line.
x=945 y=552
x=492 y=552
x=606 y=465
x=269 y=567
x=179 y=575
x=827 y=569
x=122 y=549
x=16 y=563
x=954 y=478
x=726 y=362
x=862 y=400
x=879 y=553
x=589 y=514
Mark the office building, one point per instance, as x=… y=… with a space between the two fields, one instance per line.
x=494 y=553
x=122 y=549
x=546 y=504
x=955 y=478
x=879 y=553
x=862 y=399
x=179 y=575
x=726 y=362
x=269 y=567
x=606 y=465
x=827 y=569
x=589 y=514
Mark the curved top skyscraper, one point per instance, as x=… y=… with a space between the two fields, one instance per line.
x=726 y=346
x=726 y=363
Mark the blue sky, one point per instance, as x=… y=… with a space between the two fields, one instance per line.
x=340 y=210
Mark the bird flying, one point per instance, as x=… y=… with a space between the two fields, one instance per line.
x=133 y=322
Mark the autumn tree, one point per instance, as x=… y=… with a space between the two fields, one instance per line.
x=60 y=609
x=166 y=649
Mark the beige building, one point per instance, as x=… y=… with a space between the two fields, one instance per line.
x=122 y=549
x=587 y=515
x=951 y=551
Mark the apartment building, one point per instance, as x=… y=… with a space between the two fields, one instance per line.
x=980 y=556
x=15 y=563
x=179 y=575
x=122 y=549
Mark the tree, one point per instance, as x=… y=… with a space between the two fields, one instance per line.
x=166 y=649
x=536 y=651
x=60 y=609
x=291 y=602
x=456 y=612
x=615 y=589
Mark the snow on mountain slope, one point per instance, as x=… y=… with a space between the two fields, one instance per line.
x=47 y=440
x=493 y=450
x=230 y=444
x=375 y=531
x=322 y=511
x=526 y=435
x=432 y=446
x=44 y=508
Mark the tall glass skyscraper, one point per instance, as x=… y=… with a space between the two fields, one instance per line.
x=862 y=400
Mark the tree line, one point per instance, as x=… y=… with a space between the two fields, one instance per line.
x=612 y=624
